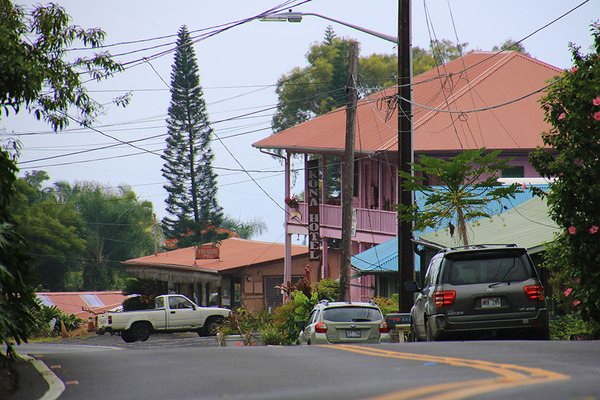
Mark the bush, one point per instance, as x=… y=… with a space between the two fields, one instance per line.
x=43 y=317
x=572 y=327
x=280 y=328
x=272 y=336
x=242 y=322
x=386 y=304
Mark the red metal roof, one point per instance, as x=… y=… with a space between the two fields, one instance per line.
x=505 y=87
x=234 y=253
x=79 y=303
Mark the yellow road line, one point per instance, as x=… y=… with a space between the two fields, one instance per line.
x=510 y=375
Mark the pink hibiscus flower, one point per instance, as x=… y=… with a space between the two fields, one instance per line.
x=562 y=116
x=597 y=116
x=568 y=292
x=593 y=229
x=596 y=101
x=576 y=302
x=572 y=230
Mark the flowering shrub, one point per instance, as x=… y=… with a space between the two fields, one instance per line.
x=572 y=107
x=292 y=201
x=208 y=234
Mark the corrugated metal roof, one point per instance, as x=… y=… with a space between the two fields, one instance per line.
x=234 y=253
x=527 y=224
x=503 y=83
x=79 y=302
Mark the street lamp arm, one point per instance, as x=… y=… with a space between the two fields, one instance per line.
x=393 y=39
x=297 y=17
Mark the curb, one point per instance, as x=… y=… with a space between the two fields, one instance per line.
x=56 y=386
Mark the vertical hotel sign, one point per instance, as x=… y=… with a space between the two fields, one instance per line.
x=314 y=224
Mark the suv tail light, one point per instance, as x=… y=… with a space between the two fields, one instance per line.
x=110 y=319
x=535 y=292
x=383 y=328
x=321 y=327
x=445 y=298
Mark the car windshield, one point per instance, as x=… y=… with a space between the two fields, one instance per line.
x=351 y=314
x=486 y=269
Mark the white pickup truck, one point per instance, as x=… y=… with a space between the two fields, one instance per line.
x=171 y=313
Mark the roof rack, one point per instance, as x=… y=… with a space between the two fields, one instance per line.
x=479 y=246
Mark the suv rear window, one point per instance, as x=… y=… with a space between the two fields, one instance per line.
x=351 y=314
x=488 y=267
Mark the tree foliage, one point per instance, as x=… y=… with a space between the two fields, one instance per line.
x=511 y=45
x=572 y=107
x=16 y=269
x=244 y=229
x=191 y=181
x=304 y=93
x=79 y=234
x=53 y=229
x=35 y=74
x=34 y=71
x=117 y=227
x=462 y=190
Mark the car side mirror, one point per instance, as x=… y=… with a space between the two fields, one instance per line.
x=411 y=287
x=301 y=324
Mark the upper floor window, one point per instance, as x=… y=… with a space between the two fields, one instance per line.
x=514 y=172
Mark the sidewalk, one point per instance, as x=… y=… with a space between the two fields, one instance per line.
x=30 y=384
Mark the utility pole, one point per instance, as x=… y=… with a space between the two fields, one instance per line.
x=405 y=152
x=348 y=173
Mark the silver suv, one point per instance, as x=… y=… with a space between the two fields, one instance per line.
x=483 y=291
x=340 y=322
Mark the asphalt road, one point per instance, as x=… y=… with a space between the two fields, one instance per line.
x=190 y=367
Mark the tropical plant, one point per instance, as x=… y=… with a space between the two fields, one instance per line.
x=191 y=182
x=462 y=190
x=117 y=227
x=53 y=229
x=570 y=159
x=17 y=298
x=34 y=75
x=244 y=229
x=48 y=321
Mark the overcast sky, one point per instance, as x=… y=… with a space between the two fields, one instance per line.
x=238 y=70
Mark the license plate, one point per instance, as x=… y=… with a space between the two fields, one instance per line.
x=352 y=333
x=491 y=302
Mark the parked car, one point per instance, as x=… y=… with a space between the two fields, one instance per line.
x=171 y=313
x=341 y=322
x=483 y=291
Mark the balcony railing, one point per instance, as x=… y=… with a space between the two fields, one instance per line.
x=367 y=220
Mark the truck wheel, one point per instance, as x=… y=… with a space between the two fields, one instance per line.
x=212 y=325
x=127 y=336
x=429 y=331
x=412 y=335
x=141 y=331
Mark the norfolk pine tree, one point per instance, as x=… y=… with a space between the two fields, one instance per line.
x=191 y=181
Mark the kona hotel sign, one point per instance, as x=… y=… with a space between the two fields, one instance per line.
x=314 y=225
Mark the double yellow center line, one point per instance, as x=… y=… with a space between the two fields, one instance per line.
x=509 y=376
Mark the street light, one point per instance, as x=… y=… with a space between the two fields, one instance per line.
x=405 y=129
x=297 y=17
